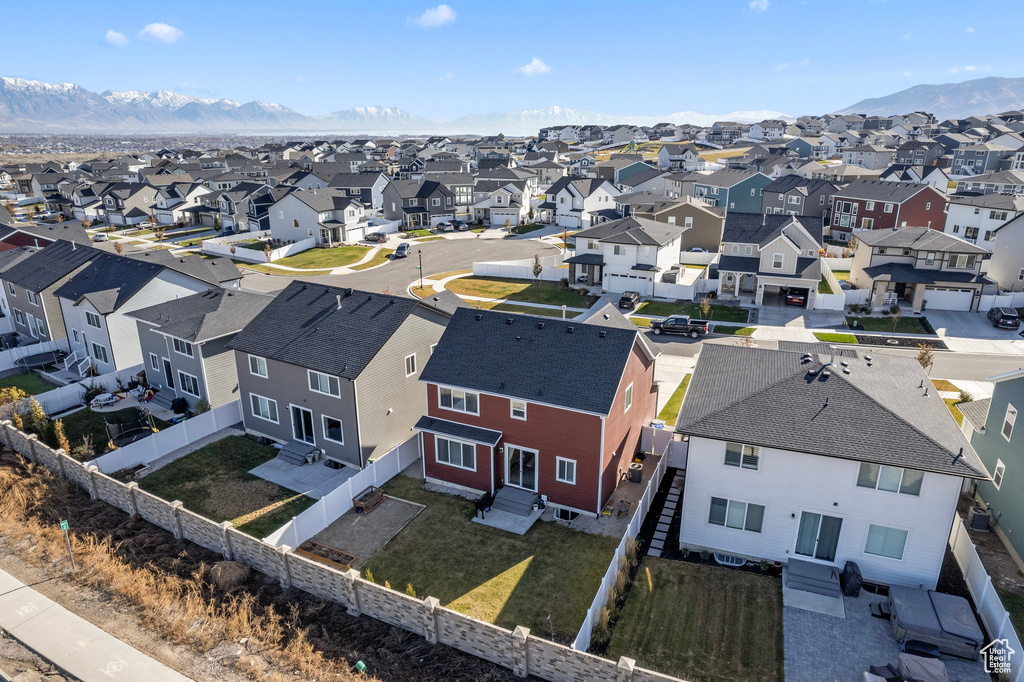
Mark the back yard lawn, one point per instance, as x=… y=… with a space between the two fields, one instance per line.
x=324 y=258
x=30 y=382
x=719 y=313
x=519 y=290
x=703 y=623
x=382 y=256
x=906 y=325
x=214 y=481
x=489 y=574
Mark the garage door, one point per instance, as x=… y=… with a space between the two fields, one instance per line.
x=620 y=283
x=938 y=298
x=355 y=234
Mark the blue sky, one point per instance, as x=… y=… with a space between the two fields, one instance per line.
x=628 y=58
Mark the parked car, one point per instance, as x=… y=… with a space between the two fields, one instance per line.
x=698 y=249
x=630 y=300
x=100 y=238
x=680 y=324
x=796 y=298
x=1004 y=318
x=445 y=227
x=402 y=251
x=460 y=225
x=377 y=237
x=226 y=232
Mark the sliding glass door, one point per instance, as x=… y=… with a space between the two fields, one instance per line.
x=818 y=536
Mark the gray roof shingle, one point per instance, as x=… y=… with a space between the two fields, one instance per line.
x=458 y=430
x=633 y=231
x=46 y=266
x=208 y=315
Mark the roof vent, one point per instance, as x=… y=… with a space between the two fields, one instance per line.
x=958 y=456
x=844 y=363
x=348 y=292
x=569 y=330
x=479 y=317
x=826 y=373
x=540 y=325
x=338 y=298
x=846 y=370
x=602 y=334
x=867 y=358
x=508 y=320
x=926 y=391
x=519 y=338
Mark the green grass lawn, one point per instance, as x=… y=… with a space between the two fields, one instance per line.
x=719 y=313
x=824 y=287
x=419 y=233
x=1014 y=605
x=478 y=230
x=519 y=290
x=952 y=403
x=828 y=337
x=703 y=623
x=695 y=266
x=213 y=481
x=489 y=574
x=669 y=413
x=525 y=229
x=382 y=256
x=324 y=258
x=29 y=381
x=78 y=425
x=429 y=239
x=842 y=274
x=906 y=325
x=733 y=330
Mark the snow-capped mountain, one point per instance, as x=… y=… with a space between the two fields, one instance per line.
x=948 y=100
x=32 y=106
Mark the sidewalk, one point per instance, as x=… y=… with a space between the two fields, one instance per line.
x=71 y=643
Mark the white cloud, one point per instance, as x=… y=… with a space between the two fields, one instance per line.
x=969 y=68
x=435 y=16
x=115 y=39
x=970 y=30
x=759 y=5
x=534 y=68
x=161 y=33
x=906 y=73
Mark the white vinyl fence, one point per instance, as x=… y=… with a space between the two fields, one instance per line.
x=523 y=268
x=221 y=246
x=993 y=614
x=170 y=439
x=691 y=258
x=66 y=397
x=582 y=642
x=675 y=291
x=385 y=226
x=1014 y=299
x=856 y=296
x=838 y=263
x=335 y=503
x=9 y=357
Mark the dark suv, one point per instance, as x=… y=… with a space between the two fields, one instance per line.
x=629 y=300
x=1004 y=318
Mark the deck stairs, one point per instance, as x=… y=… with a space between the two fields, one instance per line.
x=812 y=577
x=514 y=500
x=295 y=452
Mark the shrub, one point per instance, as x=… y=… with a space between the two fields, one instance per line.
x=894 y=309
x=369 y=577
x=764 y=564
x=966 y=397
x=202 y=405
x=564 y=282
x=602 y=628
x=91 y=391
x=62 y=439
x=409 y=590
x=10 y=401
x=705 y=555
x=36 y=416
x=685 y=552
x=84 y=451
x=632 y=551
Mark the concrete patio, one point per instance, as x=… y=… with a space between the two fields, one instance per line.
x=821 y=647
x=507 y=521
x=314 y=480
x=128 y=400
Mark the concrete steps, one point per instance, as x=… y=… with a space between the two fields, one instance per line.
x=514 y=501
x=295 y=452
x=163 y=399
x=668 y=510
x=811 y=577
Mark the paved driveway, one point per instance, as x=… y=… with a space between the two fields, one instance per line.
x=798 y=317
x=948 y=323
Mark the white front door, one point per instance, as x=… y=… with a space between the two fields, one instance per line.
x=521 y=467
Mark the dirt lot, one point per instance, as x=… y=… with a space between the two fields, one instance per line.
x=16 y=660
x=156 y=593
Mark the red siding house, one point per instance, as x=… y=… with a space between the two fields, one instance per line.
x=880 y=205
x=551 y=407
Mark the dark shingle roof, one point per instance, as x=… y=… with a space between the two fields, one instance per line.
x=205 y=316
x=634 y=231
x=905 y=272
x=768 y=398
x=303 y=326
x=919 y=239
x=215 y=271
x=755 y=228
x=458 y=430
x=48 y=265
x=109 y=281
x=881 y=190
x=976 y=411
x=518 y=358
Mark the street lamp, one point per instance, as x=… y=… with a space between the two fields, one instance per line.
x=419 y=252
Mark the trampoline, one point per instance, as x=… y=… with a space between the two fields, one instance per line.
x=40 y=359
x=129 y=425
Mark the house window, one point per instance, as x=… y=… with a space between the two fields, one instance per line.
x=929 y=258
x=189 y=383
x=154 y=361
x=263 y=408
x=436 y=202
x=410 y=365
x=32 y=297
x=592 y=245
x=748 y=249
x=183 y=348
x=793 y=199
x=99 y=352
x=295 y=222
x=735 y=249
x=455 y=453
x=738 y=515
x=258 y=366
x=629 y=398
x=997 y=475
x=890 y=479
x=92 y=319
x=18 y=317
x=618 y=249
x=459 y=401
x=74 y=333
x=743 y=456
x=324 y=383
x=332 y=430
x=1008 y=421
x=962 y=261
x=688 y=223
x=40 y=327
x=565 y=470
x=777 y=261
x=997 y=215
x=519 y=409
x=888 y=208
x=10 y=289
x=869 y=206
x=887 y=542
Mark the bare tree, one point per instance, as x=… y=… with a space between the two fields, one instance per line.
x=159 y=232
x=897 y=315
x=705 y=307
x=925 y=356
x=119 y=247
x=538 y=267
x=233 y=248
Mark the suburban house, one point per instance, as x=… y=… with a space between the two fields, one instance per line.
x=868 y=156
x=335 y=369
x=976 y=159
x=184 y=344
x=768 y=256
x=95 y=302
x=418 y=203
x=679 y=157
x=733 y=189
x=878 y=205
x=1009 y=181
x=39 y=235
x=781 y=465
x=327 y=215
x=178 y=203
x=975 y=218
x=509 y=422
x=934 y=176
x=796 y=195
x=576 y=201
x=768 y=129
x=991 y=426
x=926 y=268
x=629 y=254
x=29 y=287
x=367 y=188
x=701 y=223
x=919 y=153
x=506 y=204
x=1006 y=267
x=130 y=203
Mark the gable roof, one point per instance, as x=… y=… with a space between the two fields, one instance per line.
x=518 y=358
x=881 y=190
x=204 y=316
x=634 y=231
x=46 y=266
x=214 y=271
x=109 y=281
x=304 y=326
x=779 y=399
x=759 y=228
x=918 y=238
x=728 y=177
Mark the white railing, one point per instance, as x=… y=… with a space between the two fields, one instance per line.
x=9 y=358
x=335 y=503
x=170 y=439
x=523 y=268
x=582 y=642
x=990 y=607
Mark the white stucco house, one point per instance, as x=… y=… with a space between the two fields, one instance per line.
x=629 y=254
x=575 y=201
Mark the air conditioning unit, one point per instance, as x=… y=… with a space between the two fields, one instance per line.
x=978 y=519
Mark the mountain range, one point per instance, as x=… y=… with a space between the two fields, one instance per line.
x=948 y=100
x=35 y=107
